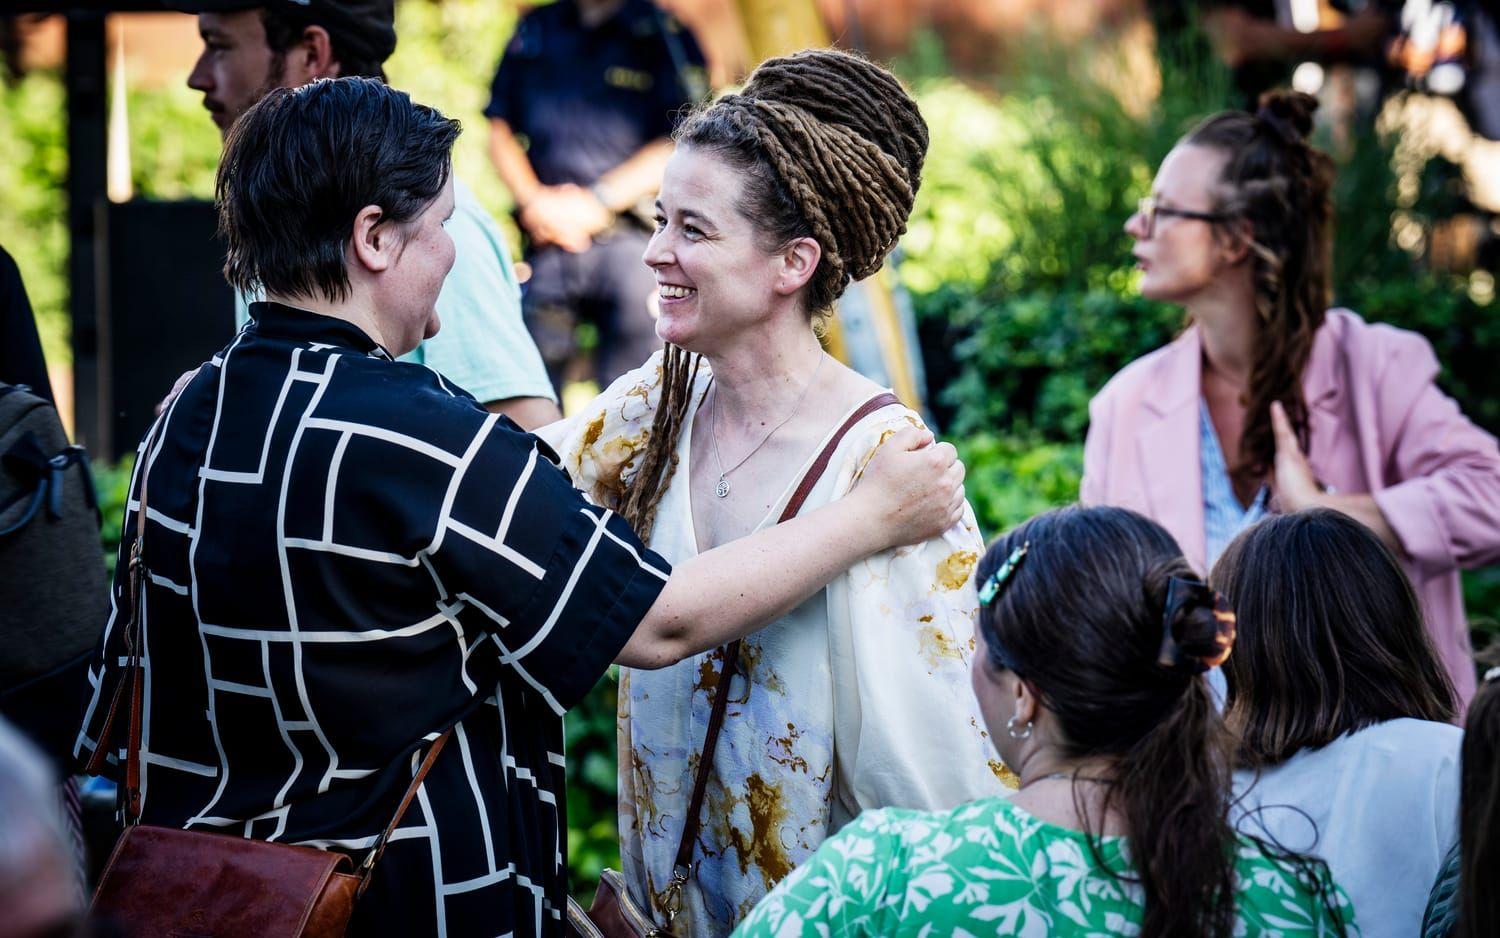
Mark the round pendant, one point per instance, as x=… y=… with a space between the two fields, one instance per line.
x=722 y=489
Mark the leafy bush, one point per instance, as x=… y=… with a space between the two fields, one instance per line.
x=33 y=209
x=1030 y=362
x=1012 y=478
x=112 y=486
x=593 y=831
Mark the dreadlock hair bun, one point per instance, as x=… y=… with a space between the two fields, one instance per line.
x=828 y=146
x=1292 y=110
x=831 y=147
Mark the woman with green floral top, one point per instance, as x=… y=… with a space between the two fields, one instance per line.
x=1094 y=636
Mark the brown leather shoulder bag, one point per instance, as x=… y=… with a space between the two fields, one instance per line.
x=165 y=881
x=614 y=914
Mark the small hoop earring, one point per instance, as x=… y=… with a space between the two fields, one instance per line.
x=1010 y=727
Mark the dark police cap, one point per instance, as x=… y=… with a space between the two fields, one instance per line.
x=362 y=28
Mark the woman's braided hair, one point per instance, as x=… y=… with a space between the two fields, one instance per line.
x=1282 y=186
x=830 y=147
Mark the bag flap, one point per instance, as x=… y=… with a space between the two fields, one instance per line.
x=163 y=881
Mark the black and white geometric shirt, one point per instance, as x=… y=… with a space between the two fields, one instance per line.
x=348 y=556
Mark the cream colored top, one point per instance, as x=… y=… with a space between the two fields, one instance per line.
x=859 y=698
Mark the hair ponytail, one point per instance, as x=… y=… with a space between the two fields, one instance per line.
x=1118 y=663
x=1282 y=186
x=1173 y=789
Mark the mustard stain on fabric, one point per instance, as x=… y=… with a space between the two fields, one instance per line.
x=955 y=569
x=934 y=644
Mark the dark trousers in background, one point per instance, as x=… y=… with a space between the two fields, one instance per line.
x=609 y=286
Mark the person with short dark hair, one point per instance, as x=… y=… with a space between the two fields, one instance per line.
x=1341 y=708
x=347 y=556
x=252 y=46
x=1094 y=636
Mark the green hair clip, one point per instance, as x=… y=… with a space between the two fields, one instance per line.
x=991 y=587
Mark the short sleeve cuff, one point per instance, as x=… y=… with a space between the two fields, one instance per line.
x=615 y=628
x=609 y=583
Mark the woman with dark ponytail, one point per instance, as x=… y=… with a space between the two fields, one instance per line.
x=1270 y=400
x=776 y=199
x=1095 y=634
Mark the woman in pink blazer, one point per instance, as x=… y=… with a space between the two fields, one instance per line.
x=1271 y=401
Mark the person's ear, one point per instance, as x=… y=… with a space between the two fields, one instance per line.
x=311 y=58
x=1234 y=240
x=374 y=244
x=799 y=261
x=1028 y=703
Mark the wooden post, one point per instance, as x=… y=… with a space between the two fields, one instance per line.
x=87 y=110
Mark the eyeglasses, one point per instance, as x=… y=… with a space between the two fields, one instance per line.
x=1150 y=212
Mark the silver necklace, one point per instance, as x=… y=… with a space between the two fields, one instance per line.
x=722 y=489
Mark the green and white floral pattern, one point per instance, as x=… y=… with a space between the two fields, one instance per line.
x=989 y=868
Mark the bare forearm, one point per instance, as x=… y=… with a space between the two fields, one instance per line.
x=637 y=177
x=732 y=590
x=511 y=163
x=529 y=413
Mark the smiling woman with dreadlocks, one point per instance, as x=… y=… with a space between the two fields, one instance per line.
x=776 y=199
x=1270 y=400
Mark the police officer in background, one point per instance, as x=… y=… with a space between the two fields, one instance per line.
x=581 y=112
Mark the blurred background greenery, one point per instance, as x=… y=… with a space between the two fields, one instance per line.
x=1015 y=260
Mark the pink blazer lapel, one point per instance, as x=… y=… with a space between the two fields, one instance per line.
x=1168 y=447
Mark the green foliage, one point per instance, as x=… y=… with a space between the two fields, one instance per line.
x=1482 y=601
x=1030 y=361
x=593 y=832
x=174 y=146
x=33 y=211
x=1017 y=257
x=112 y=486
x=446 y=57
x=1464 y=334
x=1011 y=478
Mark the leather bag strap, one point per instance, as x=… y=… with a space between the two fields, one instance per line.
x=411 y=792
x=131 y=679
x=683 y=863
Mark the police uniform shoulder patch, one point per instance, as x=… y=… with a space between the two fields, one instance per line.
x=618 y=76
